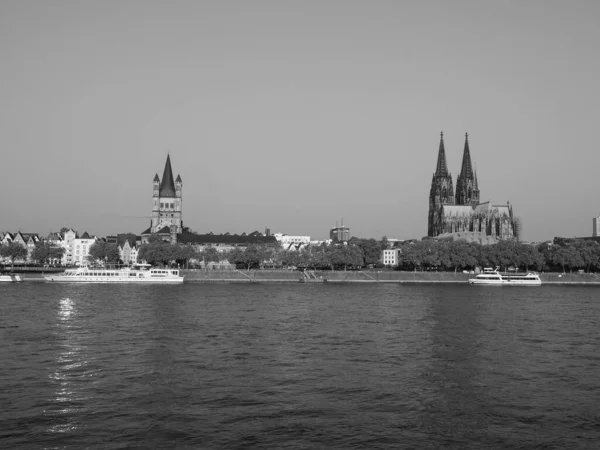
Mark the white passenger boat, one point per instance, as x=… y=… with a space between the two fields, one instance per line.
x=138 y=273
x=10 y=278
x=495 y=278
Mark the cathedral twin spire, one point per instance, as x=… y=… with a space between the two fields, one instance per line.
x=467 y=191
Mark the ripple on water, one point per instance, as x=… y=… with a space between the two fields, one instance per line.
x=292 y=366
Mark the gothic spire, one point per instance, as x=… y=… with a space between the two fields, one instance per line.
x=167 y=186
x=442 y=167
x=466 y=170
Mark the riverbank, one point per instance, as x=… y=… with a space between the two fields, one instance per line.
x=283 y=276
x=293 y=276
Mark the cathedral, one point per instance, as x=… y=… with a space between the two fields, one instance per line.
x=461 y=212
x=166 y=219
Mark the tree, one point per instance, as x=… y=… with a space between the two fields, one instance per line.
x=184 y=253
x=346 y=256
x=12 y=251
x=371 y=250
x=413 y=254
x=158 y=252
x=236 y=256
x=208 y=255
x=47 y=252
x=103 y=251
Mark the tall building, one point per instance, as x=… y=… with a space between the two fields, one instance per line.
x=339 y=234
x=596 y=226
x=167 y=196
x=464 y=213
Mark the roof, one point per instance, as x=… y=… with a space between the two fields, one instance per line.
x=178 y=180
x=252 y=238
x=167 y=186
x=125 y=237
x=28 y=235
x=85 y=235
x=156 y=178
x=457 y=210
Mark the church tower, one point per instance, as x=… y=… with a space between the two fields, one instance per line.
x=441 y=192
x=467 y=191
x=166 y=208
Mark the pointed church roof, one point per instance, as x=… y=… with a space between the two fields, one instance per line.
x=466 y=170
x=441 y=168
x=178 y=180
x=156 y=178
x=167 y=186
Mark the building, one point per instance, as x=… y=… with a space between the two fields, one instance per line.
x=166 y=209
x=27 y=240
x=391 y=257
x=596 y=226
x=128 y=253
x=167 y=219
x=462 y=212
x=82 y=246
x=68 y=243
x=292 y=242
x=339 y=235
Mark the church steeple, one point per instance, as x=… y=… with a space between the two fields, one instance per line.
x=466 y=169
x=167 y=203
x=442 y=166
x=167 y=186
x=467 y=191
x=441 y=192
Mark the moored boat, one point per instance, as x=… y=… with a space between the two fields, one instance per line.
x=10 y=278
x=495 y=278
x=138 y=273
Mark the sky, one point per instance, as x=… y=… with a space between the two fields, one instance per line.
x=294 y=115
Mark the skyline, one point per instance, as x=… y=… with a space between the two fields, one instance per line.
x=293 y=116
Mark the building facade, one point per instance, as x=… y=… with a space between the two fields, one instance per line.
x=596 y=226
x=462 y=212
x=128 y=253
x=391 y=257
x=82 y=246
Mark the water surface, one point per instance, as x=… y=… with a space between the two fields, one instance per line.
x=298 y=366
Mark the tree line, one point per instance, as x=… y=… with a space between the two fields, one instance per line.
x=428 y=254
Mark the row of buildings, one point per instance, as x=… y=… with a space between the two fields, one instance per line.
x=76 y=247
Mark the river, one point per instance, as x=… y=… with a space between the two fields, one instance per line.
x=299 y=366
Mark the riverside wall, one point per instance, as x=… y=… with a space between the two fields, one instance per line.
x=292 y=276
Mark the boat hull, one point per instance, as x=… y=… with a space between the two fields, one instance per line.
x=113 y=280
x=494 y=278
x=10 y=278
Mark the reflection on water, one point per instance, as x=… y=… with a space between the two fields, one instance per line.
x=69 y=369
